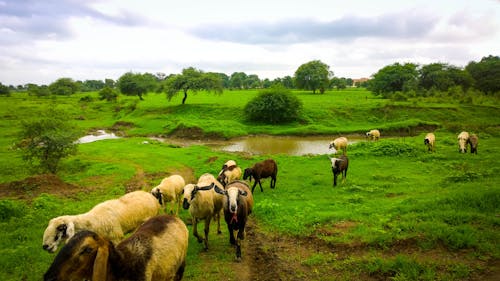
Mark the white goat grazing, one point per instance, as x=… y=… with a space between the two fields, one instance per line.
x=373 y=135
x=156 y=251
x=339 y=143
x=230 y=172
x=170 y=190
x=111 y=219
x=463 y=138
x=430 y=141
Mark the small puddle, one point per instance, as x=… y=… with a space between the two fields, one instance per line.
x=99 y=135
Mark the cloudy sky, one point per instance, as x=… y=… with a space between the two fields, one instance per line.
x=43 y=40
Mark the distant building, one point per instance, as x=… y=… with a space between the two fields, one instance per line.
x=355 y=82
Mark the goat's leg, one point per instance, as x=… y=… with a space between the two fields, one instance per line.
x=207 y=230
x=195 y=230
x=254 y=184
x=260 y=184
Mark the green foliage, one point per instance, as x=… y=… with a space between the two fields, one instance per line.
x=273 y=106
x=63 y=87
x=47 y=139
x=313 y=75
x=486 y=74
x=194 y=80
x=443 y=77
x=4 y=90
x=393 y=78
x=136 y=84
x=108 y=94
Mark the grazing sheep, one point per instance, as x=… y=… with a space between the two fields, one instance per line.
x=203 y=204
x=339 y=143
x=373 y=135
x=237 y=207
x=261 y=170
x=463 y=138
x=339 y=166
x=430 y=142
x=156 y=251
x=170 y=190
x=473 y=141
x=111 y=219
x=230 y=172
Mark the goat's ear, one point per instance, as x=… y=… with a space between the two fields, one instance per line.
x=242 y=192
x=101 y=264
x=220 y=191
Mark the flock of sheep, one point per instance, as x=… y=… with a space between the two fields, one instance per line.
x=95 y=248
x=341 y=164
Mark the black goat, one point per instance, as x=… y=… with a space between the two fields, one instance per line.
x=261 y=170
x=339 y=166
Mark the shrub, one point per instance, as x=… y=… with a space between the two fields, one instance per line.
x=108 y=94
x=274 y=105
x=47 y=139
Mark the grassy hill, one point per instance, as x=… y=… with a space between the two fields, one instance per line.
x=402 y=214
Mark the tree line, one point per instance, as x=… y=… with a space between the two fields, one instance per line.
x=392 y=81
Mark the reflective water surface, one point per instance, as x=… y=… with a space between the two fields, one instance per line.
x=290 y=145
x=99 y=135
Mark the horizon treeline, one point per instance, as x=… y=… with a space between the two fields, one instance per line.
x=389 y=81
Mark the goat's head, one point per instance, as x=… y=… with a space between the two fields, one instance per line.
x=190 y=192
x=59 y=230
x=84 y=257
x=232 y=194
x=157 y=193
x=248 y=174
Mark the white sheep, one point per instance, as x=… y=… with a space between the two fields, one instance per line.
x=170 y=190
x=203 y=204
x=430 y=142
x=339 y=143
x=230 y=172
x=111 y=219
x=463 y=138
x=373 y=135
x=156 y=251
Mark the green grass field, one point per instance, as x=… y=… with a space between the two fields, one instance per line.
x=403 y=213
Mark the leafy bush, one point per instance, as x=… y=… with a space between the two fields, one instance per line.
x=9 y=209
x=273 y=106
x=108 y=94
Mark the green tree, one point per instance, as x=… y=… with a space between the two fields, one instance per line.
x=486 y=74
x=4 y=90
x=237 y=80
x=313 y=75
x=136 y=84
x=252 y=82
x=193 y=80
x=442 y=77
x=274 y=105
x=47 y=139
x=393 y=78
x=63 y=87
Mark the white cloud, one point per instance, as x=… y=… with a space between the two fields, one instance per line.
x=41 y=41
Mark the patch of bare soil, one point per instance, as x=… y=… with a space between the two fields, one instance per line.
x=31 y=187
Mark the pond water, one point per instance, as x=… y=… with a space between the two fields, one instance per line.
x=269 y=145
x=99 y=135
x=290 y=145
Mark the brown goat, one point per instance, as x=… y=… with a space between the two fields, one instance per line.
x=261 y=170
x=473 y=141
x=237 y=206
x=156 y=251
x=339 y=166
